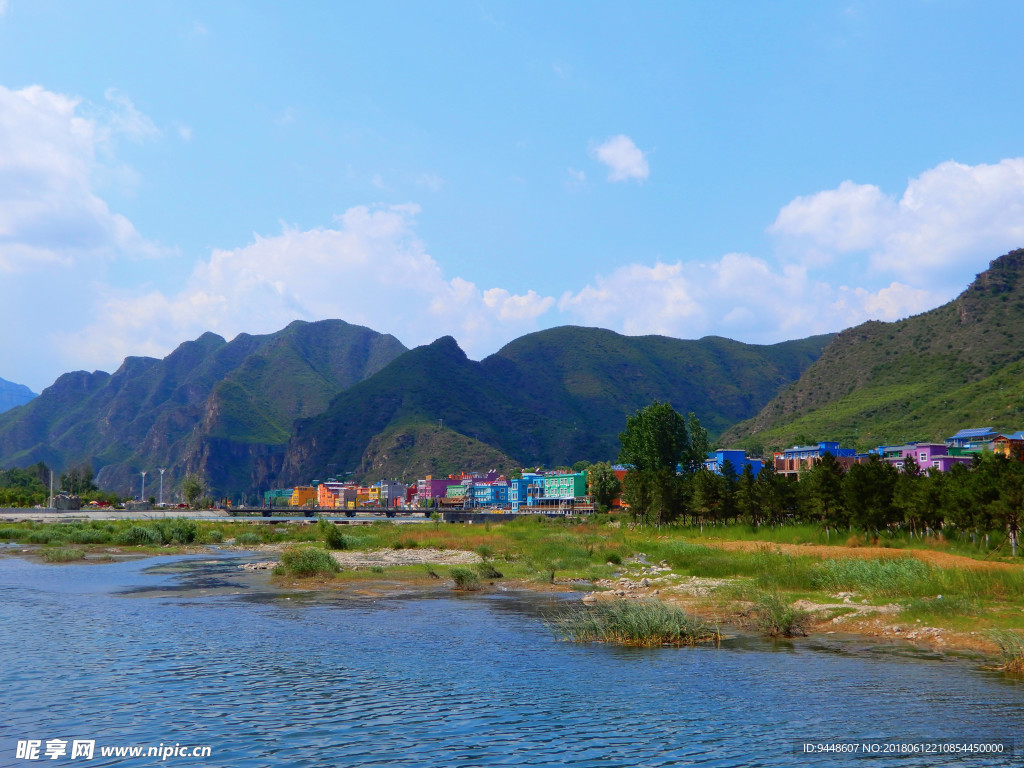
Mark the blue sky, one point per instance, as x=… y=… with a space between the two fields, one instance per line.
x=761 y=171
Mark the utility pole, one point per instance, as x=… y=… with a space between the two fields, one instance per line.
x=162 y=470
x=51 y=489
x=142 y=495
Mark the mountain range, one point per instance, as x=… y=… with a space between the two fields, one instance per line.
x=329 y=398
x=324 y=399
x=221 y=409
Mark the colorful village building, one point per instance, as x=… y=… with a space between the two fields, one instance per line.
x=716 y=459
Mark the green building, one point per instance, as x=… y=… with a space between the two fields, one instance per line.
x=278 y=497
x=565 y=486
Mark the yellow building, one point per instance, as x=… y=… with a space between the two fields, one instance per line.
x=303 y=495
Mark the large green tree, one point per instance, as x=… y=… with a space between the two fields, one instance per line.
x=868 y=491
x=603 y=482
x=653 y=445
x=192 y=487
x=822 y=487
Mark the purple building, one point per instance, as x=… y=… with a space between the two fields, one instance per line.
x=927 y=456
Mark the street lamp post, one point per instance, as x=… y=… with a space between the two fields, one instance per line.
x=142 y=496
x=162 y=470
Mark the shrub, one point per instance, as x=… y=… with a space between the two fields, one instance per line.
x=181 y=531
x=333 y=536
x=484 y=551
x=215 y=536
x=465 y=579
x=642 y=623
x=247 y=539
x=612 y=557
x=775 y=618
x=44 y=536
x=11 y=534
x=138 y=536
x=488 y=571
x=62 y=555
x=309 y=561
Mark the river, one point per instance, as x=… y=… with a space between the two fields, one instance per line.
x=191 y=651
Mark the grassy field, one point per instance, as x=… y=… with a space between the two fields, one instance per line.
x=752 y=577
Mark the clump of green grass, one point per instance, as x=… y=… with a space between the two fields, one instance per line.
x=248 y=539
x=888 y=577
x=466 y=579
x=641 y=623
x=777 y=618
x=45 y=536
x=62 y=555
x=612 y=557
x=138 y=536
x=1011 y=649
x=377 y=569
x=214 y=536
x=488 y=571
x=308 y=561
x=10 y=533
x=944 y=606
x=431 y=573
x=89 y=536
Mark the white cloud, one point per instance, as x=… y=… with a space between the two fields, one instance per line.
x=184 y=131
x=949 y=221
x=3 y=7
x=50 y=213
x=369 y=269
x=624 y=159
x=579 y=176
x=737 y=296
x=126 y=120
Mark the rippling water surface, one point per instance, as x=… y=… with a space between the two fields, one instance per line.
x=188 y=650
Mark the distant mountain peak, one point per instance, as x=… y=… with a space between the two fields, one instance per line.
x=13 y=395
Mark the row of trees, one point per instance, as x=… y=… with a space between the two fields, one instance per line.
x=31 y=486
x=668 y=482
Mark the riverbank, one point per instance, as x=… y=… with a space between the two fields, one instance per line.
x=931 y=594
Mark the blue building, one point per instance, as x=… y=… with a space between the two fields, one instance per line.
x=801 y=452
x=490 y=494
x=738 y=459
x=519 y=489
x=967 y=438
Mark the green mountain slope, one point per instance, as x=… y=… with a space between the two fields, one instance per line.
x=224 y=409
x=921 y=378
x=552 y=397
